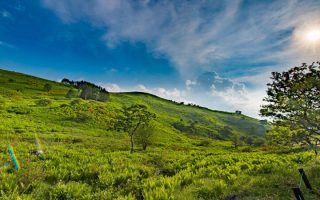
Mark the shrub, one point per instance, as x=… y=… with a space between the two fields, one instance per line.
x=47 y=87
x=204 y=143
x=20 y=110
x=71 y=94
x=75 y=102
x=43 y=102
x=82 y=116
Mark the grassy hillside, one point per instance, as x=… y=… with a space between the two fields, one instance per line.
x=84 y=159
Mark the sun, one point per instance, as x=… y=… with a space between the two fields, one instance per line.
x=313 y=35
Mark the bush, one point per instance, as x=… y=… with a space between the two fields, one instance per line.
x=258 y=142
x=47 y=87
x=71 y=94
x=82 y=116
x=204 y=143
x=20 y=110
x=43 y=102
x=75 y=102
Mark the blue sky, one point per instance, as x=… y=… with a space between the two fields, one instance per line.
x=217 y=54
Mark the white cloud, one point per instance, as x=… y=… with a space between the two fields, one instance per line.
x=247 y=101
x=173 y=94
x=227 y=94
x=142 y=88
x=189 y=84
x=111 y=87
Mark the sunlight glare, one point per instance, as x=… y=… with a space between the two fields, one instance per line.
x=313 y=35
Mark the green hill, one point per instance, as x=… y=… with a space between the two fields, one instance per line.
x=191 y=156
x=24 y=91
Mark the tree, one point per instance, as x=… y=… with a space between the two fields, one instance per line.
x=236 y=141
x=47 y=87
x=103 y=96
x=71 y=94
x=293 y=100
x=132 y=119
x=86 y=92
x=144 y=135
x=66 y=81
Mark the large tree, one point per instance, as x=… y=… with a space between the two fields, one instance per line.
x=293 y=100
x=132 y=119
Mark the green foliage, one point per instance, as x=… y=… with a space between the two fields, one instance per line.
x=236 y=140
x=47 y=87
x=144 y=135
x=259 y=141
x=85 y=157
x=204 y=143
x=132 y=119
x=280 y=138
x=43 y=102
x=71 y=93
x=293 y=101
x=20 y=110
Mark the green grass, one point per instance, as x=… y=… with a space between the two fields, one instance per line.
x=85 y=160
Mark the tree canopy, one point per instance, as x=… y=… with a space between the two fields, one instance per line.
x=132 y=119
x=88 y=90
x=293 y=100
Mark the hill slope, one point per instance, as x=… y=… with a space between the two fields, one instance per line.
x=190 y=158
x=24 y=91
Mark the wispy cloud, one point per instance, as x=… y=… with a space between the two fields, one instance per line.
x=7 y=45
x=5 y=14
x=197 y=34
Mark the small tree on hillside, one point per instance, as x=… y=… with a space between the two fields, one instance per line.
x=236 y=141
x=145 y=135
x=294 y=101
x=132 y=119
x=47 y=87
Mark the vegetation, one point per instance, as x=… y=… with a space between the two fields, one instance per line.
x=294 y=101
x=145 y=135
x=88 y=90
x=84 y=156
x=47 y=87
x=134 y=118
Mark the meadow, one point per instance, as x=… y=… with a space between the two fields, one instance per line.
x=84 y=158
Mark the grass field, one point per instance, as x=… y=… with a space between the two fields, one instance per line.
x=84 y=159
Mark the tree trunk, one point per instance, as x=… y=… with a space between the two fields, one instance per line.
x=144 y=146
x=132 y=143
